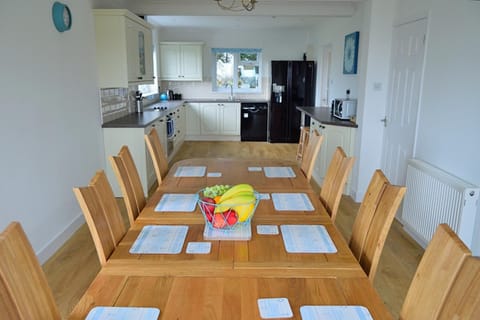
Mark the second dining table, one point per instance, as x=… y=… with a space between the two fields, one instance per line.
x=291 y=249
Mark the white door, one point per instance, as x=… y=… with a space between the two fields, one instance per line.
x=408 y=49
x=325 y=76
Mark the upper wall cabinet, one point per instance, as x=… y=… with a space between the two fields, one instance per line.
x=181 y=61
x=124 y=48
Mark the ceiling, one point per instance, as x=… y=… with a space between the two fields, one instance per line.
x=206 y=13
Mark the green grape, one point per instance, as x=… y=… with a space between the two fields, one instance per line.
x=216 y=190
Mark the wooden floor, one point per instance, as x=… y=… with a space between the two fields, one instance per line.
x=75 y=264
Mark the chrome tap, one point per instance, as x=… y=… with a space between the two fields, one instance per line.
x=231 y=93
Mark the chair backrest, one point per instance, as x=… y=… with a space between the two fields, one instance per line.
x=102 y=215
x=24 y=290
x=373 y=221
x=335 y=180
x=311 y=152
x=159 y=159
x=302 y=142
x=129 y=181
x=435 y=275
x=463 y=300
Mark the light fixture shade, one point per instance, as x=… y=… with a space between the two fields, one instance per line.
x=236 y=5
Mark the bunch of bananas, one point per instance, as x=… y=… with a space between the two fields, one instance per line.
x=240 y=198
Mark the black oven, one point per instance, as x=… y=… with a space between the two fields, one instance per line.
x=170 y=118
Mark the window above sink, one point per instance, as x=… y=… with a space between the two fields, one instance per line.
x=236 y=70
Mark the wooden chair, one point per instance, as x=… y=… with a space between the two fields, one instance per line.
x=311 y=152
x=159 y=159
x=463 y=300
x=302 y=142
x=24 y=290
x=335 y=180
x=129 y=181
x=373 y=221
x=436 y=275
x=102 y=214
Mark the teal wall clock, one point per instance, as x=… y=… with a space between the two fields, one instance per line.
x=62 y=17
x=350 y=53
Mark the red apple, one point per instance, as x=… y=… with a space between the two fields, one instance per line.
x=218 y=221
x=231 y=217
x=208 y=207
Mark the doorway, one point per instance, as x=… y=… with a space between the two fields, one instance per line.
x=401 y=114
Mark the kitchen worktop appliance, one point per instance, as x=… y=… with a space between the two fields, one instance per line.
x=344 y=109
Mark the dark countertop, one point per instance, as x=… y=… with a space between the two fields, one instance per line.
x=323 y=115
x=135 y=120
x=212 y=100
x=156 y=110
x=148 y=116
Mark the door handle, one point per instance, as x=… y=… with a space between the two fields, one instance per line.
x=384 y=120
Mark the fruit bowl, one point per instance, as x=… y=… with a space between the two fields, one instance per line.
x=236 y=208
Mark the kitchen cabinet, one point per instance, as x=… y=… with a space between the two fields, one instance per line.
x=220 y=119
x=333 y=136
x=115 y=138
x=181 y=61
x=193 y=119
x=230 y=119
x=180 y=126
x=124 y=49
x=210 y=120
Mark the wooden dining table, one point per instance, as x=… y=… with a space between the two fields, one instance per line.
x=227 y=282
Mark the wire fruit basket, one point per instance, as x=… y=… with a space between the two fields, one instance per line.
x=230 y=214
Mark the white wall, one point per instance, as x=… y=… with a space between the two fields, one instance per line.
x=448 y=129
x=331 y=32
x=50 y=122
x=276 y=44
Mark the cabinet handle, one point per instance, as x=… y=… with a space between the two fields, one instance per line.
x=139 y=78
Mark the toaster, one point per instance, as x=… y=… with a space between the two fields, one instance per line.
x=344 y=109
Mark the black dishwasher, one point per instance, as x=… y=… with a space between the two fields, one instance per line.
x=253 y=123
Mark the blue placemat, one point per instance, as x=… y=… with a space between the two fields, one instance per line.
x=335 y=313
x=177 y=202
x=292 y=202
x=307 y=239
x=123 y=313
x=160 y=240
x=190 y=171
x=279 y=172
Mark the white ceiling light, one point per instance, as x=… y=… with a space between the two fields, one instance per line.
x=236 y=5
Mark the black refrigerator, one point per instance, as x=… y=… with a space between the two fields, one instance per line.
x=293 y=84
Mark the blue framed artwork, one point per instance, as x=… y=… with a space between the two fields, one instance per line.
x=350 y=53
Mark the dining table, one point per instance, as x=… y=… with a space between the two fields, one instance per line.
x=288 y=261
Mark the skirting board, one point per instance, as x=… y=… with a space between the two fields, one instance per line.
x=49 y=250
x=212 y=138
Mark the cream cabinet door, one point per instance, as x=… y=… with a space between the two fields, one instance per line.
x=191 y=62
x=210 y=119
x=139 y=53
x=230 y=119
x=169 y=61
x=193 y=117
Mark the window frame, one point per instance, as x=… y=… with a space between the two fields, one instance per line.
x=236 y=58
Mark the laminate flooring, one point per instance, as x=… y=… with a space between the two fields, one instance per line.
x=73 y=267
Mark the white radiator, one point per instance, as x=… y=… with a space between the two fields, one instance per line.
x=434 y=196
